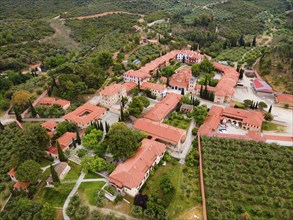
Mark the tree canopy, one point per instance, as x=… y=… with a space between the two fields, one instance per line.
x=29 y=171
x=122 y=141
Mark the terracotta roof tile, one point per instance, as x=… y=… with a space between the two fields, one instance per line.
x=131 y=172
x=284 y=99
x=85 y=114
x=21 y=185
x=66 y=139
x=49 y=125
x=148 y=85
x=112 y=89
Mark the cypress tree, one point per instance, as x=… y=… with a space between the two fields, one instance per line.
x=182 y=91
x=54 y=175
x=107 y=126
x=201 y=91
x=206 y=80
x=78 y=139
x=123 y=102
x=205 y=92
x=138 y=85
x=256 y=105
x=17 y=114
x=61 y=155
x=270 y=109
x=1 y=126
x=49 y=91
x=95 y=124
x=74 y=143
x=121 y=114
x=254 y=41
x=33 y=110
x=101 y=126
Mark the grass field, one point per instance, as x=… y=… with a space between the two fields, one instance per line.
x=178 y=120
x=74 y=172
x=54 y=196
x=182 y=202
x=91 y=175
x=270 y=126
x=88 y=191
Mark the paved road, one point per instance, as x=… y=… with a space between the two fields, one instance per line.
x=75 y=188
x=186 y=145
x=73 y=191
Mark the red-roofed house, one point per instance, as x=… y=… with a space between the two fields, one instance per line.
x=21 y=186
x=84 y=114
x=129 y=86
x=164 y=107
x=130 y=175
x=136 y=76
x=157 y=90
x=284 y=99
x=65 y=142
x=180 y=80
x=112 y=94
x=49 y=125
x=12 y=174
x=65 y=104
x=161 y=132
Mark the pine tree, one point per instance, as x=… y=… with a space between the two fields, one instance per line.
x=78 y=139
x=17 y=114
x=61 y=155
x=54 y=175
x=270 y=109
x=254 y=41
x=1 y=126
x=32 y=109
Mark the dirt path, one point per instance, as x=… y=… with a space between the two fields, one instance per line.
x=104 y=14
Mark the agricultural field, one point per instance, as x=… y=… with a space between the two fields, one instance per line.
x=145 y=53
x=108 y=33
x=246 y=178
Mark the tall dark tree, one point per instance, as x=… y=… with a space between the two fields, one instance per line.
x=182 y=91
x=54 y=175
x=54 y=84
x=1 y=126
x=49 y=91
x=121 y=114
x=107 y=126
x=78 y=139
x=61 y=154
x=17 y=114
x=270 y=109
x=183 y=59
x=138 y=85
x=74 y=143
x=241 y=74
x=32 y=109
x=241 y=41
x=254 y=41
x=201 y=91
x=101 y=126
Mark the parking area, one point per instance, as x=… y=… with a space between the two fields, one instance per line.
x=246 y=92
x=231 y=129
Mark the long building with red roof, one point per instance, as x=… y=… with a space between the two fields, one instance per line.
x=162 y=109
x=112 y=94
x=85 y=114
x=130 y=175
x=284 y=99
x=161 y=132
x=160 y=91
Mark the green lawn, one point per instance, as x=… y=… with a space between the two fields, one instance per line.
x=186 y=187
x=91 y=175
x=270 y=126
x=177 y=120
x=45 y=162
x=54 y=196
x=89 y=191
x=74 y=172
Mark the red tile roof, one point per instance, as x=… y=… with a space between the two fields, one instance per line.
x=181 y=78
x=129 y=86
x=111 y=90
x=163 y=108
x=53 y=150
x=85 y=114
x=284 y=99
x=161 y=131
x=66 y=139
x=47 y=101
x=132 y=172
x=248 y=117
x=262 y=86
x=21 y=185
x=61 y=102
x=212 y=121
x=278 y=138
x=49 y=125
x=137 y=73
x=154 y=86
x=12 y=172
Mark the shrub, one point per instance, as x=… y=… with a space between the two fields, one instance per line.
x=81 y=152
x=136 y=211
x=82 y=212
x=194 y=131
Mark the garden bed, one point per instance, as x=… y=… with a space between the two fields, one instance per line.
x=178 y=120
